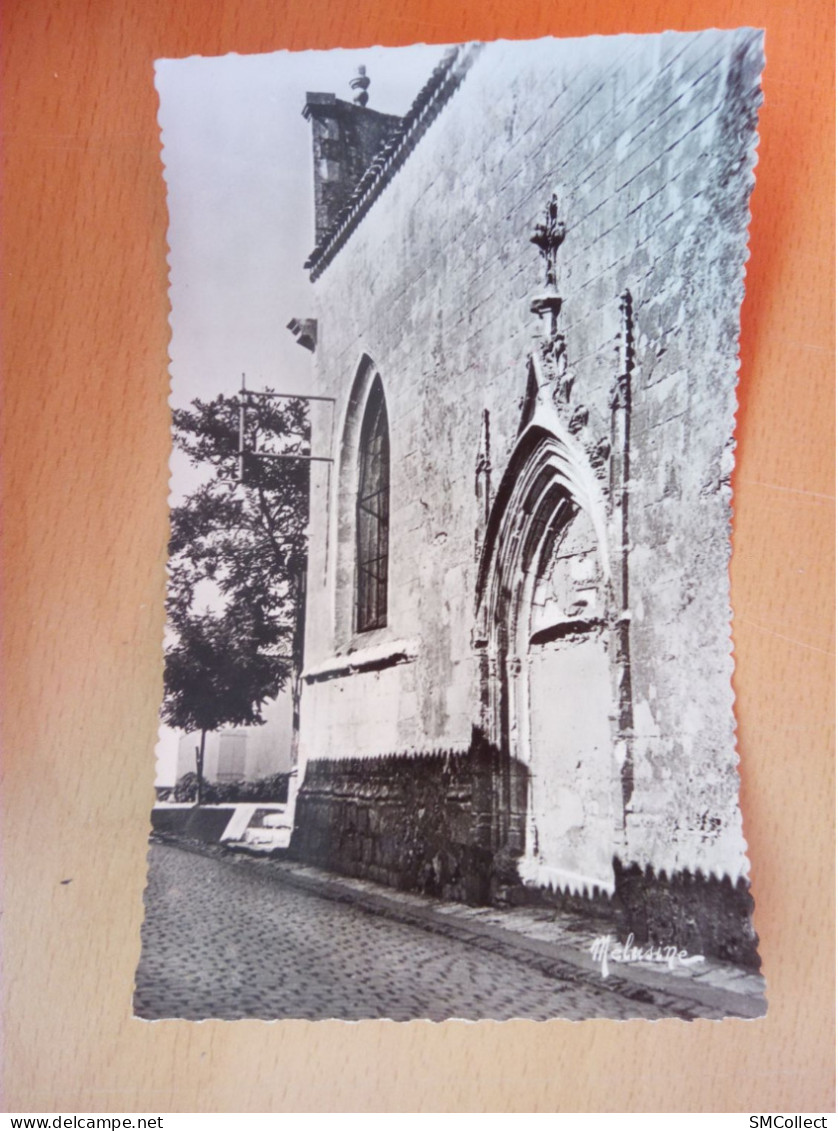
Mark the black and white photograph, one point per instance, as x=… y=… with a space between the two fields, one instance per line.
x=447 y=728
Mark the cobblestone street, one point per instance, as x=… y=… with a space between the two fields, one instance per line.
x=223 y=939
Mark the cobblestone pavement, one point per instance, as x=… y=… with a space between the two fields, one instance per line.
x=224 y=940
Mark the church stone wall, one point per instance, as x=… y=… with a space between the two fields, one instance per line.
x=435 y=284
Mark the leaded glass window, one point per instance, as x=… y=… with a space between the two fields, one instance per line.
x=373 y=514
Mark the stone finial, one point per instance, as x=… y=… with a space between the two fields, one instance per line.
x=548 y=238
x=360 y=83
x=305 y=331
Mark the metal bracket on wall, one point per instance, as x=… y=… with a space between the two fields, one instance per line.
x=245 y=395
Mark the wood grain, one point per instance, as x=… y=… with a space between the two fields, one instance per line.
x=85 y=450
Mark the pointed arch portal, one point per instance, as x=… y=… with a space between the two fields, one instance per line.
x=543 y=623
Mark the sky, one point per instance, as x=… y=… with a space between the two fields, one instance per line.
x=238 y=167
x=238 y=171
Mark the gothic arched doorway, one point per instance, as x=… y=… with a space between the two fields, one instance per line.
x=548 y=697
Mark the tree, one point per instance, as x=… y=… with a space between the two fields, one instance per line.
x=239 y=539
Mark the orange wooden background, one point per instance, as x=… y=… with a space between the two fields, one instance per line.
x=86 y=445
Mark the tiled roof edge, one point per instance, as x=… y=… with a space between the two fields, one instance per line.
x=444 y=80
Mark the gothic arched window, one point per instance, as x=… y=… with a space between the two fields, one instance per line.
x=373 y=514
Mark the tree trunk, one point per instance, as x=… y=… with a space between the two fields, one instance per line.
x=199 y=765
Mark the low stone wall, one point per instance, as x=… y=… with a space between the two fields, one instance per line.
x=417 y=822
x=205 y=824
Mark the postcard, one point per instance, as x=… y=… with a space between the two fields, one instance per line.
x=448 y=722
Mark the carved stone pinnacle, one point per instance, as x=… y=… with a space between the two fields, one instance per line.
x=548 y=238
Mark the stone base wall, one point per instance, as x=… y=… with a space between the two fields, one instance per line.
x=697 y=913
x=420 y=822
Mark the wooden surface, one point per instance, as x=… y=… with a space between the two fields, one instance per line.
x=86 y=422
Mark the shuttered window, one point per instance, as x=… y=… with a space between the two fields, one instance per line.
x=373 y=514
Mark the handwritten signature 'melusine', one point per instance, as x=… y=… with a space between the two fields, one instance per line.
x=605 y=949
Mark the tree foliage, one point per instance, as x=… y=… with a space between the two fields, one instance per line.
x=243 y=540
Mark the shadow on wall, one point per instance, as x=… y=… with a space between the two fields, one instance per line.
x=701 y=914
x=436 y=823
x=451 y=824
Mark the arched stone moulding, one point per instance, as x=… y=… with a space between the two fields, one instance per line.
x=343 y=539
x=547 y=483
